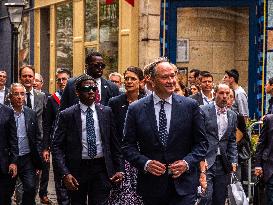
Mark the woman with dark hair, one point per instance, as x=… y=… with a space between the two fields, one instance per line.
x=194 y=88
x=181 y=89
x=126 y=194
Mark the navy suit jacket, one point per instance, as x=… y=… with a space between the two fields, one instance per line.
x=186 y=141
x=227 y=144
x=264 y=150
x=8 y=139
x=34 y=136
x=198 y=97
x=67 y=141
x=69 y=97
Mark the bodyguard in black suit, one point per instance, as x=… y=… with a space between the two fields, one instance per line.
x=164 y=138
x=3 y=89
x=28 y=134
x=221 y=157
x=94 y=68
x=264 y=156
x=85 y=147
x=8 y=153
x=49 y=120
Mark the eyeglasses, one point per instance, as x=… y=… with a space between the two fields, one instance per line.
x=88 y=88
x=59 y=80
x=98 y=65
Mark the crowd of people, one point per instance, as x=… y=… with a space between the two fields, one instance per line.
x=141 y=138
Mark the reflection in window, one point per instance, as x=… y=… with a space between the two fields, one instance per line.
x=23 y=41
x=109 y=15
x=64 y=37
x=91 y=20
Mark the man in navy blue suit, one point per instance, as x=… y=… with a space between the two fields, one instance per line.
x=164 y=138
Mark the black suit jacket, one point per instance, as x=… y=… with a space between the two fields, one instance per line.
x=119 y=106
x=186 y=141
x=67 y=141
x=69 y=97
x=8 y=139
x=198 y=97
x=34 y=136
x=6 y=98
x=49 y=117
x=264 y=150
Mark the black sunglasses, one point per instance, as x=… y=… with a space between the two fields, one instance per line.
x=98 y=65
x=88 y=88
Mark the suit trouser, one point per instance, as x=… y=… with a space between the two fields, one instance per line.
x=27 y=175
x=217 y=181
x=170 y=197
x=61 y=191
x=93 y=182
x=269 y=191
x=44 y=179
x=5 y=189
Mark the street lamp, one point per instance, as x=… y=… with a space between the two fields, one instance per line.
x=15 y=12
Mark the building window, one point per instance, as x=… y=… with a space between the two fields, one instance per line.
x=64 y=35
x=102 y=33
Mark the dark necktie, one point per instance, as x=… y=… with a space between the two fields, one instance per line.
x=90 y=134
x=29 y=101
x=163 y=133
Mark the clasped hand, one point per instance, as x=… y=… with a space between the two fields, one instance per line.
x=176 y=168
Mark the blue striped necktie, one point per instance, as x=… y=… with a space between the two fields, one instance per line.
x=90 y=134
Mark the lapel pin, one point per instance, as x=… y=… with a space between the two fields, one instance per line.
x=105 y=86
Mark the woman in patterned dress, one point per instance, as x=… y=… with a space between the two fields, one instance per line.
x=126 y=193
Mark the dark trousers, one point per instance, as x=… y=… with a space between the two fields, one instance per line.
x=217 y=181
x=93 y=182
x=5 y=189
x=44 y=179
x=61 y=191
x=27 y=175
x=170 y=197
x=269 y=191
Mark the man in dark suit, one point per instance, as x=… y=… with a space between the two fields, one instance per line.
x=8 y=153
x=205 y=96
x=36 y=101
x=28 y=133
x=85 y=147
x=221 y=157
x=3 y=89
x=264 y=156
x=94 y=68
x=164 y=138
x=49 y=117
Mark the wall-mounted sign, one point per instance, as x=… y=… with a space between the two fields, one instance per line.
x=182 y=51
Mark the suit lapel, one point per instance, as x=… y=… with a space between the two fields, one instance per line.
x=212 y=114
x=27 y=119
x=35 y=99
x=175 y=117
x=104 y=89
x=101 y=118
x=78 y=120
x=150 y=114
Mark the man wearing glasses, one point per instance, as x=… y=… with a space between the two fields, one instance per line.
x=85 y=147
x=94 y=68
x=49 y=117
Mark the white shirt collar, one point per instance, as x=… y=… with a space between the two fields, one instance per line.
x=3 y=90
x=31 y=91
x=204 y=96
x=158 y=99
x=84 y=107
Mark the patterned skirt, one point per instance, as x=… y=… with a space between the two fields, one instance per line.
x=126 y=194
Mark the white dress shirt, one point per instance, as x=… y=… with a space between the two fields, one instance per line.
x=97 y=132
x=206 y=100
x=167 y=107
x=31 y=98
x=2 y=95
x=222 y=123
